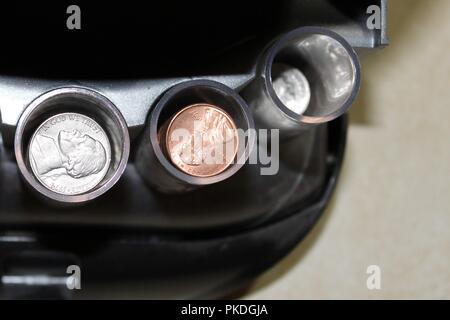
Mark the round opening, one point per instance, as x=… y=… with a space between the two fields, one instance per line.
x=202 y=95
x=312 y=75
x=71 y=145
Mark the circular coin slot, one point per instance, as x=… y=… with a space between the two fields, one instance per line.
x=312 y=75
x=197 y=135
x=71 y=145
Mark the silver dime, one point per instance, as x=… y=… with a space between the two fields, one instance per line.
x=291 y=87
x=69 y=153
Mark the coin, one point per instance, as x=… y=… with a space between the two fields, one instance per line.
x=201 y=140
x=69 y=153
x=291 y=87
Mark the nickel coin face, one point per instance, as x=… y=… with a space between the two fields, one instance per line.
x=69 y=153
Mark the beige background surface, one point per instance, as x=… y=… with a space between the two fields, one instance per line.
x=392 y=205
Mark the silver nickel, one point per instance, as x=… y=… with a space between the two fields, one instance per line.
x=69 y=154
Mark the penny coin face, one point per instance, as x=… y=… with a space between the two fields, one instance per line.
x=69 y=154
x=201 y=140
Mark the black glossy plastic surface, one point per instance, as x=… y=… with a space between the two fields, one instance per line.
x=136 y=260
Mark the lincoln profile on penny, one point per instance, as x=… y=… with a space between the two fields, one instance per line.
x=75 y=154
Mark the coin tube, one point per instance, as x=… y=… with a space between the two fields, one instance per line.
x=308 y=76
x=152 y=161
x=77 y=140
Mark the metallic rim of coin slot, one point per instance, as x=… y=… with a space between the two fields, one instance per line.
x=71 y=145
x=308 y=76
x=152 y=160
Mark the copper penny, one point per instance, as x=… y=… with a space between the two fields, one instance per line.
x=201 y=140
